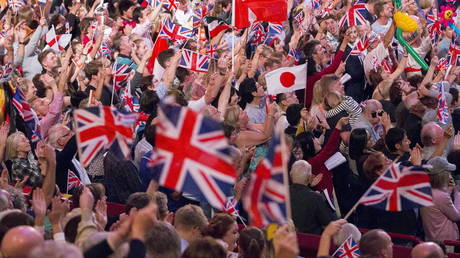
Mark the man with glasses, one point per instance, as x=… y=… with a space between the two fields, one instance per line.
x=371 y=119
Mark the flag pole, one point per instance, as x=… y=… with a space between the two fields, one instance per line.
x=113 y=84
x=285 y=160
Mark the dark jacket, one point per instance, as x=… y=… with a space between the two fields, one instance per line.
x=310 y=211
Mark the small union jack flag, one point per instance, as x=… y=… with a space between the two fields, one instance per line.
x=175 y=32
x=399 y=188
x=274 y=28
x=326 y=11
x=356 y=15
x=257 y=33
x=265 y=196
x=230 y=207
x=154 y=3
x=299 y=18
x=433 y=25
x=27 y=113
x=349 y=249
x=315 y=4
x=194 y=61
x=443 y=64
x=442 y=111
x=105 y=49
x=199 y=12
x=211 y=51
x=72 y=181
x=15 y=5
x=120 y=75
x=170 y=5
x=101 y=127
x=131 y=104
x=192 y=155
x=294 y=54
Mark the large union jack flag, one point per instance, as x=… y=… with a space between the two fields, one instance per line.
x=194 y=61
x=173 y=31
x=399 y=188
x=192 y=155
x=99 y=128
x=356 y=15
x=349 y=249
x=265 y=195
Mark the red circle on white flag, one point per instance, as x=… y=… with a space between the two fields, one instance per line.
x=287 y=79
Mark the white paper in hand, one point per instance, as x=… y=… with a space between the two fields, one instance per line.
x=335 y=160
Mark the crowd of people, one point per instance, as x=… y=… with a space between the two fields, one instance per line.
x=368 y=103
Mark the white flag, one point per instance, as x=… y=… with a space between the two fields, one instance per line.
x=286 y=79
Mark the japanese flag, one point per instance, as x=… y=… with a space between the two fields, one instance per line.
x=286 y=79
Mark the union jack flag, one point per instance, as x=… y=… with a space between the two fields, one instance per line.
x=170 y=5
x=326 y=11
x=199 y=12
x=105 y=50
x=349 y=249
x=230 y=207
x=72 y=181
x=120 y=75
x=443 y=63
x=257 y=33
x=131 y=104
x=211 y=51
x=265 y=196
x=299 y=18
x=15 y=5
x=192 y=155
x=154 y=3
x=27 y=113
x=399 y=188
x=194 y=61
x=274 y=28
x=356 y=15
x=294 y=54
x=433 y=25
x=101 y=127
x=175 y=32
x=315 y=4
x=442 y=111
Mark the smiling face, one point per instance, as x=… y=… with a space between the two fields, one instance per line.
x=352 y=34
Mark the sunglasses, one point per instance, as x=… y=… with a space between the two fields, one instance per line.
x=374 y=114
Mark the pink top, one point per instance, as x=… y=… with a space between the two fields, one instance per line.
x=53 y=115
x=439 y=220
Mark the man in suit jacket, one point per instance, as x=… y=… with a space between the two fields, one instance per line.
x=63 y=139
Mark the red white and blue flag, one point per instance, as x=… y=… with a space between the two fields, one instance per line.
x=454 y=52
x=443 y=64
x=399 y=188
x=171 y=5
x=199 y=13
x=356 y=15
x=101 y=127
x=131 y=104
x=349 y=249
x=194 y=61
x=211 y=51
x=275 y=28
x=72 y=181
x=230 y=207
x=192 y=155
x=442 y=112
x=120 y=75
x=175 y=32
x=433 y=25
x=257 y=33
x=265 y=195
x=27 y=113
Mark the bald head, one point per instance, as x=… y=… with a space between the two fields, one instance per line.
x=376 y=243
x=431 y=134
x=427 y=250
x=19 y=241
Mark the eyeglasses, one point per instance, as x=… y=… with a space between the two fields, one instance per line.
x=374 y=114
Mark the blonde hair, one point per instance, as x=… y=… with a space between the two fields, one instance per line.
x=12 y=145
x=232 y=116
x=321 y=87
x=332 y=100
x=25 y=13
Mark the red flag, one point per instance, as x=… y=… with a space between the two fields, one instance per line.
x=261 y=10
x=160 y=45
